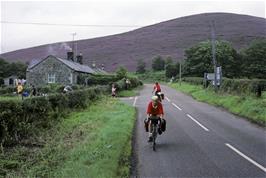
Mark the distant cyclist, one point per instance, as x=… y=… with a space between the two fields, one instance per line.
x=157 y=89
x=154 y=109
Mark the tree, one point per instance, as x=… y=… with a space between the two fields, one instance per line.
x=17 y=68
x=168 y=60
x=254 y=59
x=158 y=63
x=141 y=67
x=199 y=59
x=121 y=72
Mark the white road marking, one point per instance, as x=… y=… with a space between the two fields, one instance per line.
x=198 y=123
x=246 y=157
x=176 y=106
x=134 y=104
x=168 y=99
x=131 y=98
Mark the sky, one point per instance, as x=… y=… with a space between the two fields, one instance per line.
x=32 y=23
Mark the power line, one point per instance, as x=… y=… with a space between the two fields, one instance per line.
x=73 y=25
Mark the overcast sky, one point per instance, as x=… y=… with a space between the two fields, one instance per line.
x=102 y=17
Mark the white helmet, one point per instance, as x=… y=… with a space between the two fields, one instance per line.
x=154 y=98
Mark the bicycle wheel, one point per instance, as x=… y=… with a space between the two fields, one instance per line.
x=153 y=145
x=154 y=135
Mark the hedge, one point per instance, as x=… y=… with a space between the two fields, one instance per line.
x=233 y=86
x=19 y=119
x=121 y=84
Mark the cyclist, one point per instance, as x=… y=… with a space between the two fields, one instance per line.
x=157 y=89
x=155 y=108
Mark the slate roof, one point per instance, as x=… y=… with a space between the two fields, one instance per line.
x=73 y=65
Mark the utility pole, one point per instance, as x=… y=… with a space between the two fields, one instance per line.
x=73 y=45
x=214 y=54
x=180 y=73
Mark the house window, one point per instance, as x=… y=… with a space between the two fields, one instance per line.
x=51 y=78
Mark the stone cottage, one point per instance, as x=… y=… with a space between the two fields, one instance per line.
x=56 y=70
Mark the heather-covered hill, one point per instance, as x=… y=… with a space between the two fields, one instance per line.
x=169 y=38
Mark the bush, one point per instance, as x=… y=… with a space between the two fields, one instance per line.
x=233 y=86
x=7 y=90
x=101 y=79
x=242 y=86
x=193 y=80
x=20 y=119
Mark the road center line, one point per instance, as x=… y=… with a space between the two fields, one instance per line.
x=198 y=123
x=176 y=106
x=134 y=104
x=246 y=157
x=168 y=99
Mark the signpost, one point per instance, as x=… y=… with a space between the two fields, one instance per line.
x=211 y=77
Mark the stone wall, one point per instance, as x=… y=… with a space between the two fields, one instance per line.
x=38 y=75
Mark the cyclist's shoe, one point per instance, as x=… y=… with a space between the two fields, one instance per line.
x=150 y=139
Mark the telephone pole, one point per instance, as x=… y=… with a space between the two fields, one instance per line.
x=214 y=54
x=73 y=45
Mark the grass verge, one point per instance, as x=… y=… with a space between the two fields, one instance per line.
x=247 y=106
x=95 y=142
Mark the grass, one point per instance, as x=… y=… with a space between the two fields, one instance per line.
x=250 y=107
x=128 y=93
x=3 y=98
x=95 y=142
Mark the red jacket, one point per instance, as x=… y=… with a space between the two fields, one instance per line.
x=157 y=88
x=155 y=111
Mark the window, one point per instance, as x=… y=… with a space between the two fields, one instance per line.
x=51 y=78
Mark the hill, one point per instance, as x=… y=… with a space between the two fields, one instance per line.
x=169 y=38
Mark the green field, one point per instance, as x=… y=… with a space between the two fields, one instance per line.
x=250 y=107
x=95 y=142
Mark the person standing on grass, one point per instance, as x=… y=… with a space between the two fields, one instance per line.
x=19 y=89
x=113 y=90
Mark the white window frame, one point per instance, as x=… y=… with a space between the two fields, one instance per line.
x=51 y=78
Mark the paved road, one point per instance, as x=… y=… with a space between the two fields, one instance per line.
x=200 y=141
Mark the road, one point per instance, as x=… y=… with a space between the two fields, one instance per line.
x=200 y=141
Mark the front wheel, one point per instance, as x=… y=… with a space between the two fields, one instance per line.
x=153 y=145
x=154 y=135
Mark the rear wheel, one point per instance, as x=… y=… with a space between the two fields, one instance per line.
x=154 y=137
x=153 y=146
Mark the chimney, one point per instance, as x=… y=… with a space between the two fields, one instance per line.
x=70 y=56
x=93 y=64
x=80 y=58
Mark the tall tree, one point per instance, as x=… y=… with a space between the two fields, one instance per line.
x=141 y=67
x=199 y=59
x=121 y=72
x=158 y=63
x=254 y=60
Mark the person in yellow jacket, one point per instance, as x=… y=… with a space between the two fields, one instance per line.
x=19 y=88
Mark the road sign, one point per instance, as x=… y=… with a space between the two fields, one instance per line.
x=210 y=76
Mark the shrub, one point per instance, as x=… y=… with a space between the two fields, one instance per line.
x=19 y=119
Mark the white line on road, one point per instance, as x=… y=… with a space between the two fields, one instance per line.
x=246 y=157
x=134 y=104
x=168 y=99
x=176 y=106
x=198 y=123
